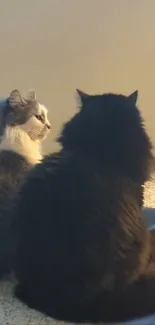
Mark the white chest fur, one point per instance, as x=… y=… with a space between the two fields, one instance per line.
x=17 y=140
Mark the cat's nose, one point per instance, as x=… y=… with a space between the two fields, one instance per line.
x=48 y=126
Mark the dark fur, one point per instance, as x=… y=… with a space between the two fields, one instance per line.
x=83 y=246
x=12 y=170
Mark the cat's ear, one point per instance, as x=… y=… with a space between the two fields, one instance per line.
x=81 y=96
x=15 y=98
x=30 y=95
x=133 y=97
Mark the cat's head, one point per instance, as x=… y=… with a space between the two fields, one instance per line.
x=26 y=113
x=108 y=126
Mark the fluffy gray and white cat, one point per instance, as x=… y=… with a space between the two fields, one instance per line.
x=23 y=126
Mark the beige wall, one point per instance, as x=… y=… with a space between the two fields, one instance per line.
x=55 y=46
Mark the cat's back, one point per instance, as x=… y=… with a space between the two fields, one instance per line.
x=67 y=178
x=75 y=184
x=69 y=194
x=71 y=211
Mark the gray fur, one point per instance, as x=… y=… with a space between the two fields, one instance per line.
x=23 y=124
x=13 y=167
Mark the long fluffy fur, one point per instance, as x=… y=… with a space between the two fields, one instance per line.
x=83 y=249
x=13 y=168
x=23 y=125
x=18 y=153
x=17 y=140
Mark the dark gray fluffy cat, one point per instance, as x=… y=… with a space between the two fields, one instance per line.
x=84 y=252
x=23 y=124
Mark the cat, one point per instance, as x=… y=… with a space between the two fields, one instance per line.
x=23 y=126
x=83 y=250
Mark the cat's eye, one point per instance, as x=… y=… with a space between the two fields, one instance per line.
x=39 y=117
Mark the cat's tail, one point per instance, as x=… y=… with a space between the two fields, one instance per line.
x=137 y=301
